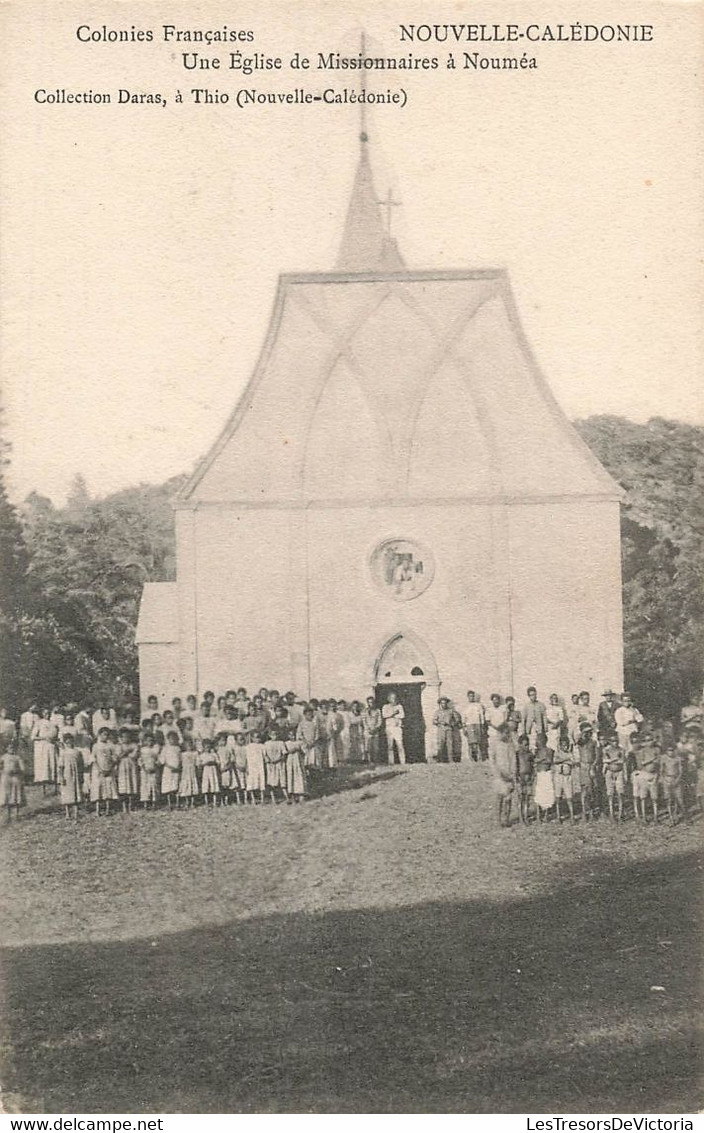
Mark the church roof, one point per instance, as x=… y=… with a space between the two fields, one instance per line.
x=395 y=387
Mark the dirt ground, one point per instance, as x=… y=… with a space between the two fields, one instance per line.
x=384 y=947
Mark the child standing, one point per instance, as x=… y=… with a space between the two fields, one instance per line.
x=102 y=772
x=148 y=759
x=544 y=789
x=586 y=753
x=127 y=770
x=256 y=773
x=524 y=773
x=646 y=753
x=562 y=777
x=614 y=777
x=210 y=781
x=70 y=774
x=12 y=781
x=188 y=785
x=275 y=763
x=224 y=759
x=171 y=765
x=240 y=770
x=671 y=779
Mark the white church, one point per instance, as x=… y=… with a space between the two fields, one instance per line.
x=397 y=500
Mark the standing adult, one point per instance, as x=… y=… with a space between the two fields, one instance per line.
x=556 y=718
x=394 y=715
x=473 y=720
x=496 y=718
x=534 y=719
x=447 y=723
x=373 y=724
x=45 y=735
x=627 y=720
x=606 y=713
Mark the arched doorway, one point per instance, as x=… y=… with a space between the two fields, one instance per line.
x=406 y=666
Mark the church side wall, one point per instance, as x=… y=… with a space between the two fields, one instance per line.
x=566 y=619
x=159 y=674
x=250 y=583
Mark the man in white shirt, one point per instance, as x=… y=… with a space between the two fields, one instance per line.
x=394 y=715
x=473 y=721
x=628 y=719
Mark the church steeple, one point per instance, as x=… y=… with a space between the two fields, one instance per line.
x=367 y=244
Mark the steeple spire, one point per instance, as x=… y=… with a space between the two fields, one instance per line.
x=367 y=244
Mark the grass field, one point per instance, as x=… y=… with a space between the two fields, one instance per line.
x=383 y=948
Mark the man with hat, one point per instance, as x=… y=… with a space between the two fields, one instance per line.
x=447 y=722
x=606 y=714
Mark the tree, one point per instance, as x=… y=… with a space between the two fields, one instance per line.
x=661 y=466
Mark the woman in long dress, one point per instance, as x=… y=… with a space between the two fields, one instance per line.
x=44 y=737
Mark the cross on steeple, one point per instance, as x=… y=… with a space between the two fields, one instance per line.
x=367 y=244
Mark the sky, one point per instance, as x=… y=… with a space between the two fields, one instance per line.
x=142 y=243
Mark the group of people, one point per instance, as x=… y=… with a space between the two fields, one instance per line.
x=244 y=749
x=233 y=749
x=544 y=754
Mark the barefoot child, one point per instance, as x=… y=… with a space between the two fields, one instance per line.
x=171 y=768
x=563 y=770
x=256 y=773
x=646 y=753
x=585 y=750
x=544 y=789
x=148 y=760
x=671 y=780
x=188 y=788
x=224 y=757
x=240 y=769
x=70 y=775
x=102 y=771
x=12 y=781
x=524 y=773
x=275 y=764
x=614 y=777
x=127 y=770
x=210 y=774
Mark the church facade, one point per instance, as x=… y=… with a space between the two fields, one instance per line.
x=396 y=500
